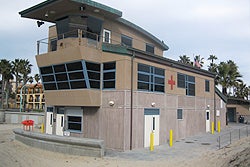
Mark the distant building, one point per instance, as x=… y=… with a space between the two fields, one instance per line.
x=33 y=97
x=106 y=78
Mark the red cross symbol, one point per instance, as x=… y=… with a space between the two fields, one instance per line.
x=171 y=82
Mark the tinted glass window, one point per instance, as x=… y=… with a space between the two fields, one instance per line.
x=61 y=77
x=93 y=66
x=181 y=80
x=59 y=68
x=77 y=84
x=74 y=66
x=150 y=48
x=76 y=75
x=46 y=70
x=127 y=41
x=48 y=78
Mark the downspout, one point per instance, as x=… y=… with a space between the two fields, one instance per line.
x=131 y=99
x=214 y=106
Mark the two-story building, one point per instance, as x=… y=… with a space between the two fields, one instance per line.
x=106 y=78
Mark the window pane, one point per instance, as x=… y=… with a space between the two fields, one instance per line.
x=109 y=75
x=207 y=86
x=50 y=86
x=109 y=84
x=143 y=68
x=143 y=77
x=77 y=84
x=76 y=75
x=191 y=89
x=46 y=70
x=109 y=66
x=127 y=41
x=93 y=66
x=150 y=48
x=159 y=88
x=63 y=85
x=59 y=68
x=75 y=123
x=94 y=75
x=48 y=78
x=159 y=71
x=95 y=84
x=61 y=77
x=179 y=114
x=74 y=66
x=143 y=86
x=159 y=80
x=181 y=81
x=190 y=78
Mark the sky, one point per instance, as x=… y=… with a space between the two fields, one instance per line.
x=188 y=27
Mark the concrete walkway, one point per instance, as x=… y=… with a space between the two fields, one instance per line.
x=186 y=148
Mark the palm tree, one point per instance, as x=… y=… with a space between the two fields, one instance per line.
x=25 y=70
x=16 y=68
x=227 y=75
x=6 y=73
x=212 y=66
x=241 y=90
x=184 y=59
x=37 y=78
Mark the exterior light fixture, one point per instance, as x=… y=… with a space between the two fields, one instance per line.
x=153 y=104
x=111 y=103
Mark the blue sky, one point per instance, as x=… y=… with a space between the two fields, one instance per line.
x=188 y=27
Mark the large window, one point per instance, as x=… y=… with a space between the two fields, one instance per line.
x=151 y=78
x=109 y=70
x=73 y=75
x=126 y=41
x=187 y=82
x=75 y=123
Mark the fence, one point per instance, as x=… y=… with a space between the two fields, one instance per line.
x=234 y=135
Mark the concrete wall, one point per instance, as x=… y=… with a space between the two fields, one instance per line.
x=17 y=117
x=66 y=145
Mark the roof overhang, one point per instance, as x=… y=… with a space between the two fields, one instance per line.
x=51 y=10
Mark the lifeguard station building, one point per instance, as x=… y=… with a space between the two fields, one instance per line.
x=106 y=78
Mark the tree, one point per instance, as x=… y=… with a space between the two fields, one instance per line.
x=227 y=75
x=212 y=66
x=6 y=73
x=25 y=70
x=184 y=59
x=37 y=78
x=241 y=90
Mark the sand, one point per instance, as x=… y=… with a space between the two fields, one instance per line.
x=14 y=153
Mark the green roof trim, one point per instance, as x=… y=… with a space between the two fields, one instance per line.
x=86 y=2
x=106 y=47
x=132 y=25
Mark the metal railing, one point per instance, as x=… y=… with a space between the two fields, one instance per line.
x=232 y=136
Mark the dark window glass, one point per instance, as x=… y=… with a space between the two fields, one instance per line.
x=95 y=84
x=181 y=80
x=179 y=114
x=143 y=77
x=109 y=75
x=159 y=80
x=207 y=86
x=159 y=71
x=49 y=86
x=46 y=70
x=59 y=68
x=127 y=41
x=53 y=44
x=48 y=78
x=74 y=66
x=93 y=66
x=190 y=78
x=109 y=84
x=75 y=123
x=150 y=48
x=77 y=84
x=191 y=89
x=143 y=68
x=63 y=85
x=109 y=66
x=61 y=77
x=94 y=75
x=76 y=75
x=143 y=86
x=159 y=88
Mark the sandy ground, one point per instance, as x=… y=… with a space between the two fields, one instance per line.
x=14 y=153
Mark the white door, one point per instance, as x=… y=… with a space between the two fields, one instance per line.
x=207 y=121
x=151 y=124
x=59 y=124
x=49 y=122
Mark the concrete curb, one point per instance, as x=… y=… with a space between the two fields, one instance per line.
x=62 y=144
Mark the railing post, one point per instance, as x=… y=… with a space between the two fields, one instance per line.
x=38 y=47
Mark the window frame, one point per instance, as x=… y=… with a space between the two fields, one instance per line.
x=126 y=43
x=188 y=83
x=150 y=48
x=81 y=124
x=104 y=36
x=109 y=80
x=179 y=114
x=207 y=85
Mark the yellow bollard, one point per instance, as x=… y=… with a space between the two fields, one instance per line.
x=151 y=141
x=218 y=126
x=42 y=128
x=171 y=138
x=212 y=127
